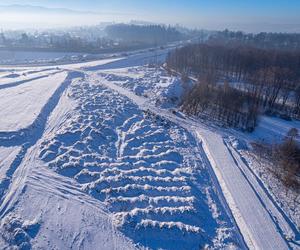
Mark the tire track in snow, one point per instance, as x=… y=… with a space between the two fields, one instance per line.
x=284 y=224
x=219 y=191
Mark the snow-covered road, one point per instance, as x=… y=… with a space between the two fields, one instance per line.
x=91 y=163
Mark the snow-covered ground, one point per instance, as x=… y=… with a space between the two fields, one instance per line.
x=273 y=130
x=28 y=99
x=150 y=82
x=93 y=156
x=17 y=76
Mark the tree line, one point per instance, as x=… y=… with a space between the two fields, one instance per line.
x=149 y=34
x=266 y=80
x=221 y=103
x=264 y=40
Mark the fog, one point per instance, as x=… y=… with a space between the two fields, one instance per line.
x=36 y=17
x=33 y=17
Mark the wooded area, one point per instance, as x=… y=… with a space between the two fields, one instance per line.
x=240 y=81
x=264 y=40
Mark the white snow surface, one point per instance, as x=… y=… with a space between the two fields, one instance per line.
x=92 y=157
x=22 y=104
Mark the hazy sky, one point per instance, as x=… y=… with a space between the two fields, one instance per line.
x=251 y=15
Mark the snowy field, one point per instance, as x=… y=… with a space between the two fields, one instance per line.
x=93 y=156
x=29 y=98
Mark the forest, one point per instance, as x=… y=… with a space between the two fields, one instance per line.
x=241 y=80
x=264 y=40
